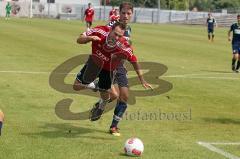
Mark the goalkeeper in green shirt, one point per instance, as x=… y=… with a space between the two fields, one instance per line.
x=8 y=10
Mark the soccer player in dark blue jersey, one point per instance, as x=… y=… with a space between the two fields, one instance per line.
x=121 y=90
x=211 y=24
x=235 y=38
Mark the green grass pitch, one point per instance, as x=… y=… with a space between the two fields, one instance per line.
x=200 y=71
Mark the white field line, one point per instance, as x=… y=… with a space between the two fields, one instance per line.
x=190 y=76
x=218 y=150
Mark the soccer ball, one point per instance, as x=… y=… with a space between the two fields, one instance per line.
x=133 y=147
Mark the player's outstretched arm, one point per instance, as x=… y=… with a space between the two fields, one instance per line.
x=83 y=39
x=136 y=67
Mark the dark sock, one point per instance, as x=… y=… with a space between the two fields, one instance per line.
x=233 y=62
x=238 y=65
x=208 y=37
x=1 y=124
x=118 y=113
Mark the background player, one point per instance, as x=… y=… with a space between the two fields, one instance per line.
x=88 y=16
x=8 y=9
x=112 y=12
x=235 y=38
x=211 y=24
x=1 y=120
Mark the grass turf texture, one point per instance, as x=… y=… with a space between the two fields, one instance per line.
x=32 y=129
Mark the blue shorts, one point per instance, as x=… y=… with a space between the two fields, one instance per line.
x=236 y=48
x=120 y=77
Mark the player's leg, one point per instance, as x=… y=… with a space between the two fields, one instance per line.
x=104 y=84
x=114 y=92
x=122 y=102
x=88 y=25
x=235 y=51
x=238 y=62
x=213 y=35
x=1 y=120
x=81 y=83
x=85 y=78
x=209 y=34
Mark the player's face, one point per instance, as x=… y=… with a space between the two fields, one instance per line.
x=115 y=35
x=125 y=15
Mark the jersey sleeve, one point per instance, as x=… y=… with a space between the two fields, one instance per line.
x=97 y=31
x=128 y=51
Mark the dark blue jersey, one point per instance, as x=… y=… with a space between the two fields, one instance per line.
x=235 y=28
x=211 y=22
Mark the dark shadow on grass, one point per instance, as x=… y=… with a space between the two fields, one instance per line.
x=217 y=71
x=222 y=120
x=66 y=131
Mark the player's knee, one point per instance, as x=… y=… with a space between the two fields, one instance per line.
x=114 y=96
x=123 y=97
x=77 y=87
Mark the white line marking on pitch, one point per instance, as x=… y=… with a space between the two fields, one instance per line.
x=218 y=150
x=167 y=76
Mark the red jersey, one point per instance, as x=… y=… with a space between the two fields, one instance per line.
x=89 y=13
x=110 y=57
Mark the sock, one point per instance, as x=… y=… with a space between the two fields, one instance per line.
x=1 y=124
x=233 y=62
x=91 y=85
x=238 y=65
x=118 y=113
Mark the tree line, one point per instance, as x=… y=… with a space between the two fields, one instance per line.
x=199 y=5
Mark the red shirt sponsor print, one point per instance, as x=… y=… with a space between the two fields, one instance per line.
x=109 y=56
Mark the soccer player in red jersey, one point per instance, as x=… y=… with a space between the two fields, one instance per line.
x=88 y=16
x=112 y=12
x=109 y=47
x=115 y=16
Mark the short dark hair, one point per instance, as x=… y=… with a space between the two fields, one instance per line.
x=127 y=5
x=238 y=15
x=119 y=24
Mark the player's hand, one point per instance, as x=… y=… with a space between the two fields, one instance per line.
x=229 y=38
x=95 y=38
x=147 y=85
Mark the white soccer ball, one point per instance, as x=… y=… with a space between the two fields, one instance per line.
x=133 y=147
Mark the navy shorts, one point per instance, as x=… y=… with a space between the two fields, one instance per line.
x=120 y=77
x=236 y=48
x=210 y=30
x=91 y=71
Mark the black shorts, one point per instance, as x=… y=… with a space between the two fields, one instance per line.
x=89 y=22
x=120 y=77
x=210 y=30
x=91 y=71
